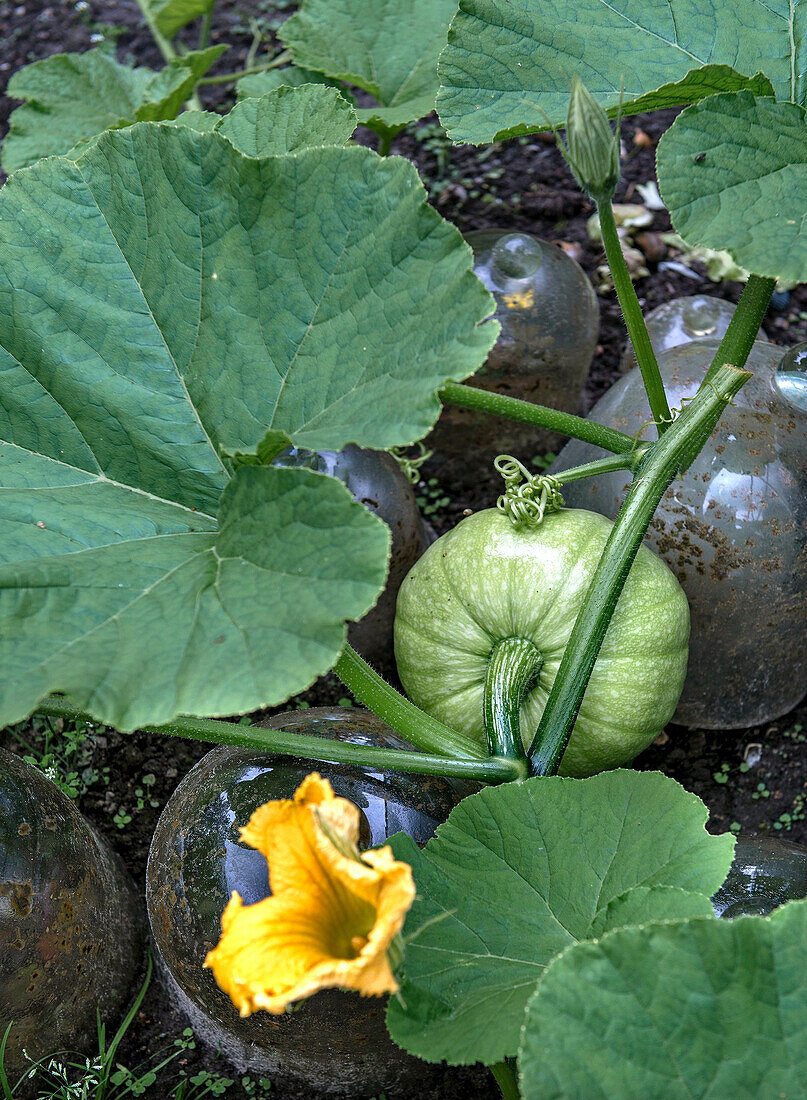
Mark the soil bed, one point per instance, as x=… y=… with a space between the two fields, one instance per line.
x=752 y=780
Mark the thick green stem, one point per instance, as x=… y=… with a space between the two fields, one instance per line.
x=384 y=143
x=205 y=29
x=634 y=321
x=469 y=397
x=603 y=465
x=312 y=748
x=511 y=672
x=744 y=325
x=225 y=78
x=505 y=1079
x=162 y=43
x=658 y=470
x=416 y=727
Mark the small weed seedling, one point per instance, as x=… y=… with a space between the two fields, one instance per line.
x=65 y=750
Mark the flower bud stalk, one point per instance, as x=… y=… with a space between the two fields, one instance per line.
x=592 y=149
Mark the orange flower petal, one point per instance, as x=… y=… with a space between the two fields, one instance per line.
x=287 y=831
x=331 y=918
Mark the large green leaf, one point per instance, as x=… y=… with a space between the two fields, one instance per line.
x=288 y=120
x=520 y=872
x=141 y=609
x=686 y=1011
x=171 y=16
x=291 y=76
x=508 y=65
x=169 y=89
x=164 y=300
x=70 y=97
x=389 y=48
x=73 y=97
x=733 y=173
x=203 y=121
x=697 y=85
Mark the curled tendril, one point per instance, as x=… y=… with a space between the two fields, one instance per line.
x=411 y=465
x=675 y=413
x=527 y=497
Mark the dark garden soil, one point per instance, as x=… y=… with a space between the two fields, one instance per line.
x=754 y=780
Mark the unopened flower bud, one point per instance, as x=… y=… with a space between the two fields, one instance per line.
x=592 y=150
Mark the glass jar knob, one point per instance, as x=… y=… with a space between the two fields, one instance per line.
x=515 y=256
x=703 y=316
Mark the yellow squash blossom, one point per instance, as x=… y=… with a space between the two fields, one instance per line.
x=333 y=915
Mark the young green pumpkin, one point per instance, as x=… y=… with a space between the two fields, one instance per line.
x=487 y=580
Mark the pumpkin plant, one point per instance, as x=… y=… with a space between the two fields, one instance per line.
x=175 y=311
x=389 y=51
x=69 y=99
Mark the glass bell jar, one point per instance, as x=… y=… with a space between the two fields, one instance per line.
x=682 y=320
x=336 y=1042
x=549 y=319
x=71 y=928
x=766 y=872
x=733 y=529
x=377 y=481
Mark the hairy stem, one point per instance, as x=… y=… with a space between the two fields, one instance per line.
x=634 y=321
x=469 y=397
x=225 y=78
x=162 y=43
x=255 y=44
x=285 y=743
x=658 y=470
x=415 y=726
x=511 y=672
x=603 y=465
x=744 y=325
